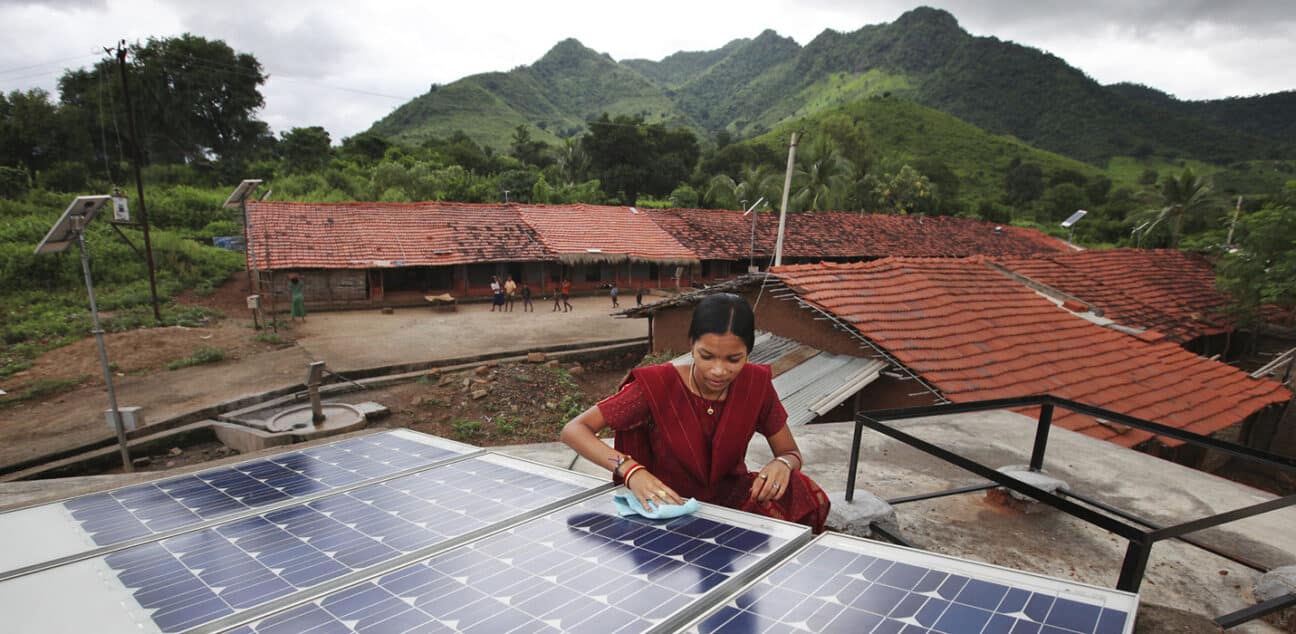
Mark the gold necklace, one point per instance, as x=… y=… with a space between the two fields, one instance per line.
x=709 y=403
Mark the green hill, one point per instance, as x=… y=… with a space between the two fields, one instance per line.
x=557 y=95
x=751 y=86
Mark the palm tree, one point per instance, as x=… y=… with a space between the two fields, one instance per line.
x=753 y=182
x=825 y=178
x=1177 y=197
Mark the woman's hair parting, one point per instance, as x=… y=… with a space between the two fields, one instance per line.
x=724 y=314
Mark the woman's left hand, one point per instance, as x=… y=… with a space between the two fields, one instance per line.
x=772 y=482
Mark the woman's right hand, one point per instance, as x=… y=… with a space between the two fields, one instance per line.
x=647 y=487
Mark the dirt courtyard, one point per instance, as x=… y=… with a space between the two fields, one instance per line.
x=67 y=408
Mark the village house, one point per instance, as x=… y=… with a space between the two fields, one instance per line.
x=379 y=254
x=963 y=329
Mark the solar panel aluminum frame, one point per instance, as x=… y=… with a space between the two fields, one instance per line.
x=360 y=576
x=943 y=563
x=467 y=451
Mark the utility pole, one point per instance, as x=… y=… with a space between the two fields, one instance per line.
x=787 y=186
x=139 y=181
x=1228 y=243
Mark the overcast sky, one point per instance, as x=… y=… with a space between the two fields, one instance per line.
x=345 y=64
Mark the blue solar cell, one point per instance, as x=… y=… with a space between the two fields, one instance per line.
x=831 y=586
x=199 y=576
x=129 y=513
x=578 y=569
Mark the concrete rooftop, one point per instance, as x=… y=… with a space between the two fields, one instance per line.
x=1040 y=540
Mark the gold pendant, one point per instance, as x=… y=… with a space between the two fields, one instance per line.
x=710 y=411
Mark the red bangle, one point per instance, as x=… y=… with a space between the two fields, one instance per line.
x=625 y=479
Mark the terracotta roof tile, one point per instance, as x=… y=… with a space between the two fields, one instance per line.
x=1005 y=340
x=1172 y=292
x=368 y=235
x=585 y=231
x=726 y=235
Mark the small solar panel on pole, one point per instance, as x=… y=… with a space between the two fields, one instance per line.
x=69 y=228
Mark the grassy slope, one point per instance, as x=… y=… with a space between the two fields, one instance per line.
x=909 y=131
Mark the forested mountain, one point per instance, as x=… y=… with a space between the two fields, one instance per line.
x=751 y=86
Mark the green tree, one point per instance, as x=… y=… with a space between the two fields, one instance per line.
x=1262 y=269
x=527 y=150
x=1062 y=200
x=1178 y=197
x=824 y=178
x=365 y=147
x=1023 y=182
x=905 y=192
x=631 y=158
x=195 y=99
x=36 y=133
x=305 y=149
x=754 y=182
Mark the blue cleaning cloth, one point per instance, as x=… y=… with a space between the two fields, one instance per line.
x=627 y=504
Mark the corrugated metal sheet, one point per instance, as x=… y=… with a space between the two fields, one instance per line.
x=814 y=386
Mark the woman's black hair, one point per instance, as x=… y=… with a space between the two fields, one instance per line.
x=724 y=314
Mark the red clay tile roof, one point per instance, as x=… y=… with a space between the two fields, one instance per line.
x=726 y=235
x=370 y=235
x=1170 y=291
x=571 y=231
x=975 y=334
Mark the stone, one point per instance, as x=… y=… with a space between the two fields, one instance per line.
x=388 y=310
x=175 y=451
x=467 y=382
x=576 y=370
x=169 y=464
x=479 y=394
x=1278 y=582
x=482 y=369
x=513 y=408
x=552 y=363
x=549 y=405
x=858 y=516
x=481 y=381
x=535 y=357
x=492 y=364
x=142 y=461
x=1037 y=479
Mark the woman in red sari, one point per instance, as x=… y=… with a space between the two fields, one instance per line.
x=683 y=431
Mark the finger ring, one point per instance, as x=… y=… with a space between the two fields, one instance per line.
x=764 y=477
x=776 y=486
x=661 y=494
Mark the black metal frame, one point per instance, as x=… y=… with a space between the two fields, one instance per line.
x=1140 y=533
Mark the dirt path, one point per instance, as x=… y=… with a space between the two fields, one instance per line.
x=346 y=340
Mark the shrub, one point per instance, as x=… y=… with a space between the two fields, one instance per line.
x=466 y=429
x=203 y=355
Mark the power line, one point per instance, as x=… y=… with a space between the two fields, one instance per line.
x=49 y=63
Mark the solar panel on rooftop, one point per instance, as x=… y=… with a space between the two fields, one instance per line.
x=81 y=524
x=842 y=584
x=579 y=569
x=200 y=576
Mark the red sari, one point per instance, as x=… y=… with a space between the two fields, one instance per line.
x=666 y=428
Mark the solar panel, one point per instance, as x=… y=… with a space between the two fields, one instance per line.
x=81 y=524
x=192 y=579
x=843 y=584
x=578 y=569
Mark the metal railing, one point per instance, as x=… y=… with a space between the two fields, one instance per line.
x=1140 y=533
